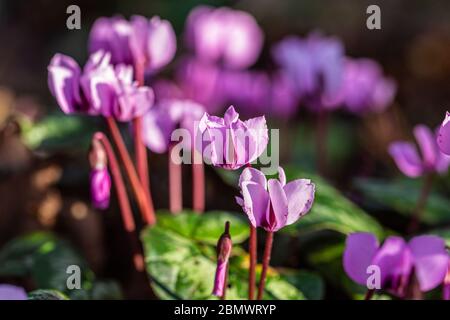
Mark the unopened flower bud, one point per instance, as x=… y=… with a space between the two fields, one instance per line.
x=224 y=246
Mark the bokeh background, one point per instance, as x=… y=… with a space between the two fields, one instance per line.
x=47 y=188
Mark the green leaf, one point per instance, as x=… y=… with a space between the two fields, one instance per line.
x=57 y=131
x=45 y=258
x=311 y=284
x=402 y=194
x=332 y=211
x=181 y=262
x=106 y=290
x=47 y=295
x=206 y=227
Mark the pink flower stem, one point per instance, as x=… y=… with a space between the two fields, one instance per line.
x=198 y=184
x=144 y=202
x=175 y=184
x=265 y=266
x=321 y=141
x=253 y=243
x=139 y=147
x=421 y=204
x=124 y=203
x=252 y=268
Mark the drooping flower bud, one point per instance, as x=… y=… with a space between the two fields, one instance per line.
x=224 y=246
x=100 y=179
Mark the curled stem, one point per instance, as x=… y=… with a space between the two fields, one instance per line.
x=124 y=203
x=142 y=197
x=265 y=266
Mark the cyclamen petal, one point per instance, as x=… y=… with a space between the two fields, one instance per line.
x=270 y=204
x=426 y=141
x=101 y=89
x=256 y=204
x=432 y=160
x=424 y=258
x=360 y=248
x=161 y=43
x=443 y=139
x=396 y=264
x=430 y=260
x=10 y=292
x=63 y=81
x=230 y=143
x=407 y=159
x=224 y=35
x=138 y=42
x=300 y=196
x=316 y=67
x=278 y=205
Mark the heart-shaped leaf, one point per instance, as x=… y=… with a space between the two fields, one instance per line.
x=332 y=211
x=182 y=263
x=402 y=194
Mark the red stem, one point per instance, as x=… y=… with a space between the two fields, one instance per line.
x=141 y=155
x=198 y=184
x=139 y=146
x=252 y=269
x=124 y=203
x=142 y=197
x=175 y=185
x=369 y=294
x=265 y=266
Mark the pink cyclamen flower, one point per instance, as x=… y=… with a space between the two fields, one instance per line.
x=224 y=35
x=224 y=246
x=201 y=82
x=101 y=89
x=168 y=115
x=150 y=43
x=10 y=292
x=423 y=258
x=431 y=159
x=100 y=179
x=232 y=143
x=315 y=65
x=274 y=204
x=443 y=139
x=365 y=88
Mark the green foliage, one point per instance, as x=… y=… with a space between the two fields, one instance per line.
x=332 y=211
x=205 y=228
x=45 y=259
x=182 y=262
x=401 y=195
x=47 y=295
x=57 y=131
